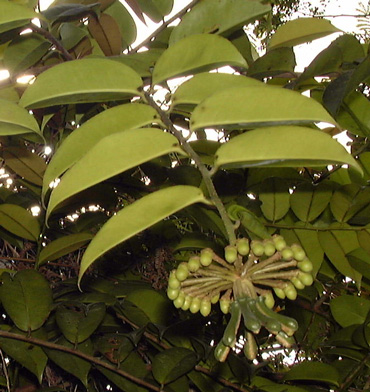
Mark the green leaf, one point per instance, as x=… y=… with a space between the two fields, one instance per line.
x=315 y=371
x=156 y=307
x=301 y=30
x=115 y=154
x=23 y=52
x=63 y=246
x=156 y=9
x=78 y=321
x=349 y=200
x=137 y=217
x=19 y=221
x=349 y=310
x=360 y=261
x=25 y=163
x=246 y=107
x=71 y=35
x=82 y=81
x=14 y=15
x=221 y=17
x=14 y=120
x=286 y=146
x=70 y=363
x=194 y=54
x=364 y=239
x=84 y=138
x=201 y=86
x=274 y=195
x=171 y=364
x=28 y=355
x=27 y=299
x=309 y=201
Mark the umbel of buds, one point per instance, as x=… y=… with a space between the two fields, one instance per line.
x=243 y=282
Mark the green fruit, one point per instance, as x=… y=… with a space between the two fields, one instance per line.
x=187 y=302
x=206 y=256
x=172 y=294
x=284 y=339
x=221 y=352
x=305 y=265
x=251 y=322
x=205 y=307
x=229 y=337
x=298 y=252
x=195 y=305
x=242 y=245
x=182 y=272
x=215 y=298
x=231 y=254
x=269 y=300
x=287 y=254
x=179 y=301
x=250 y=347
x=280 y=293
x=297 y=283
x=269 y=248
x=290 y=291
x=305 y=278
x=257 y=248
x=173 y=282
x=224 y=305
x=279 y=242
x=194 y=263
x=270 y=323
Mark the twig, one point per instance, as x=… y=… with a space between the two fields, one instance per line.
x=163 y=26
x=202 y=168
x=58 y=46
x=353 y=374
x=5 y=371
x=80 y=354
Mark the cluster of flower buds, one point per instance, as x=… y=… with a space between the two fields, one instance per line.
x=242 y=282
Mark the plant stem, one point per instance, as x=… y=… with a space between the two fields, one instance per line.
x=190 y=282
x=353 y=374
x=280 y=275
x=261 y=265
x=202 y=168
x=221 y=261
x=270 y=282
x=277 y=266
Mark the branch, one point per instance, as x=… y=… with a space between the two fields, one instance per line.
x=289 y=227
x=80 y=354
x=352 y=376
x=58 y=46
x=202 y=168
x=163 y=26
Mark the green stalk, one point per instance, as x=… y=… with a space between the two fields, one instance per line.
x=277 y=275
x=277 y=266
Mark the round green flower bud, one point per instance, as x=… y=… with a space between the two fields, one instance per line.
x=182 y=272
x=224 y=305
x=172 y=294
x=305 y=278
x=242 y=244
x=215 y=298
x=279 y=242
x=231 y=254
x=269 y=248
x=257 y=248
x=206 y=256
x=205 y=307
x=195 y=305
x=305 y=265
x=280 y=293
x=269 y=300
x=290 y=291
x=287 y=254
x=179 y=301
x=194 y=263
x=173 y=282
x=297 y=283
x=187 y=302
x=298 y=252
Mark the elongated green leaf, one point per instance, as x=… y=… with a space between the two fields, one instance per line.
x=28 y=355
x=117 y=119
x=25 y=163
x=274 y=195
x=27 y=299
x=115 y=154
x=14 y=120
x=157 y=9
x=364 y=239
x=14 y=15
x=24 y=52
x=171 y=364
x=86 y=80
x=78 y=321
x=287 y=146
x=360 y=261
x=349 y=310
x=137 y=217
x=317 y=371
x=19 y=221
x=221 y=17
x=308 y=201
x=63 y=246
x=70 y=363
x=201 y=86
x=71 y=35
x=261 y=106
x=301 y=30
x=349 y=200
x=194 y=54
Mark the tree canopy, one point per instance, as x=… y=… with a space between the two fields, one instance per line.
x=179 y=216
